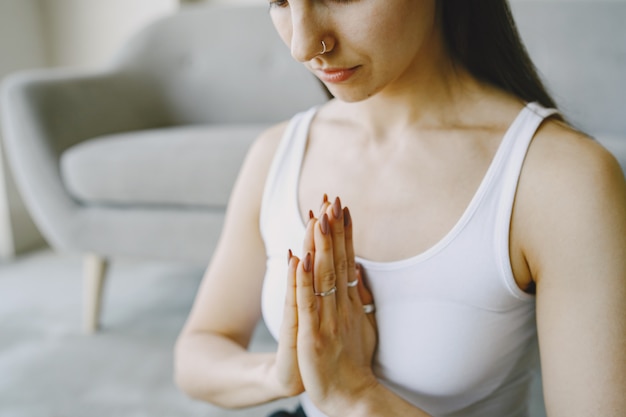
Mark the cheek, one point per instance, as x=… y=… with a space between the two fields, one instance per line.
x=403 y=27
x=387 y=35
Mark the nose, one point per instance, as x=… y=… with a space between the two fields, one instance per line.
x=308 y=29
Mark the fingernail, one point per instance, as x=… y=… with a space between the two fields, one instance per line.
x=311 y=215
x=307 y=262
x=347 y=220
x=324 y=224
x=337 y=208
x=324 y=200
x=289 y=256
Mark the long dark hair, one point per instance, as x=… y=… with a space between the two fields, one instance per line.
x=481 y=35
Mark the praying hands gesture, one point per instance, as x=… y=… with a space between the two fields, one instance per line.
x=328 y=334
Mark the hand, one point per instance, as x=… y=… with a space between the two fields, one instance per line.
x=285 y=368
x=335 y=339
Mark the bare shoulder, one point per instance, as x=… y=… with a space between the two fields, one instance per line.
x=571 y=192
x=572 y=146
x=263 y=148
x=258 y=160
x=270 y=138
x=566 y=163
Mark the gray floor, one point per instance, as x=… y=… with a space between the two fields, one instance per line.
x=48 y=368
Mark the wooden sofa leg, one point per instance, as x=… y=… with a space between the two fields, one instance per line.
x=95 y=268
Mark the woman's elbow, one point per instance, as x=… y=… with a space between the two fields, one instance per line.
x=183 y=375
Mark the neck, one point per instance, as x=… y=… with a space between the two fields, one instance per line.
x=432 y=99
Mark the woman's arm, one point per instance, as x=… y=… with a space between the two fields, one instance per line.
x=211 y=360
x=571 y=214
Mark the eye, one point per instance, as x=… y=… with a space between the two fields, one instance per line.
x=278 y=3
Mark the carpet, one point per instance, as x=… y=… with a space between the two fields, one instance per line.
x=48 y=368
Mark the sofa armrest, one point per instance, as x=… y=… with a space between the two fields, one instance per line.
x=45 y=112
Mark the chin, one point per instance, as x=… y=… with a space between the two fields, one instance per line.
x=350 y=94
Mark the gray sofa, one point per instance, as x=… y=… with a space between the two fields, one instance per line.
x=139 y=159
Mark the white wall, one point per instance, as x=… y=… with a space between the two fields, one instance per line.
x=21 y=46
x=20 y=35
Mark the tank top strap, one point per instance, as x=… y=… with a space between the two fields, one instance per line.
x=518 y=142
x=281 y=184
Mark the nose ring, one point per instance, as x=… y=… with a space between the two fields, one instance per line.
x=323 y=48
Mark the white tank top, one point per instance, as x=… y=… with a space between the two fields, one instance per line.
x=457 y=337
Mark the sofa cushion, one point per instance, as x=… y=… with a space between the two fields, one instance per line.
x=182 y=166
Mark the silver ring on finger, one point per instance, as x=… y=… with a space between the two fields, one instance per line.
x=327 y=293
x=369 y=308
x=353 y=283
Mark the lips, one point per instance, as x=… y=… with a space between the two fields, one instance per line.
x=335 y=75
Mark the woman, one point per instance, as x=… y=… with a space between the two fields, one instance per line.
x=478 y=224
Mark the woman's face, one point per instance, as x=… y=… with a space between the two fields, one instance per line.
x=371 y=45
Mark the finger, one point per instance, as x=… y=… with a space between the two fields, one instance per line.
x=308 y=244
x=308 y=318
x=352 y=282
x=289 y=324
x=324 y=206
x=365 y=295
x=290 y=294
x=287 y=371
x=340 y=259
x=324 y=268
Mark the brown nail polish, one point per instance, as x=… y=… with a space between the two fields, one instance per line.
x=347 y=220
x=337 y=208
x=324 y=224
x=289 y=256
x=307 y=262
x=324 y=200
x=311 y=215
